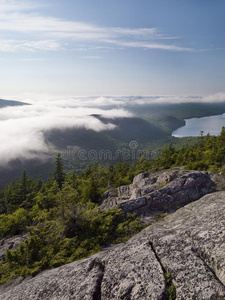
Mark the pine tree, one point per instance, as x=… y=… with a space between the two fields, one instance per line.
x=39 y=183
x=24 y=183
x=58 y=174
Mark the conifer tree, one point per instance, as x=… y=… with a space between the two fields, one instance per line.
x=58 y=174
x=24 y=183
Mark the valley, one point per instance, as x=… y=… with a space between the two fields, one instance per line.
x=150 y=128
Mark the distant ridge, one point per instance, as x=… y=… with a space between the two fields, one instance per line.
x=4 y=103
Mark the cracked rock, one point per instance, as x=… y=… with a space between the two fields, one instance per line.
x=165 y=190
x=189 y=244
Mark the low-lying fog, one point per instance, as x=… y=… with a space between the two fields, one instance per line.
x=22 y=127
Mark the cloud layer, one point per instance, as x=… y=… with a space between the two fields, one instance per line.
x=123 y=101
x=23 y=127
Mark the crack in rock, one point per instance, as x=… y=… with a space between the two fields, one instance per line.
x=97 y=295
x=188 y=244
x=165 y=295
x=203 y=256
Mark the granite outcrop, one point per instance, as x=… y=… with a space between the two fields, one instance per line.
x=159 y=191
x=187 y=245
x=181 y=256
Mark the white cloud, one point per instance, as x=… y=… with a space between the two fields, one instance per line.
x=212 y=98
x=106 y=102
x=15 y=5
x=218 y=97
x=87 y=102
x=45 y=33
x=23 y=127
x=41 y=45
x=158 y=46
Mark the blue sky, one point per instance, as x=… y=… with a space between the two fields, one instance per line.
x=75 y=48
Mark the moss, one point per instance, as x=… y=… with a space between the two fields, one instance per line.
x=161 y=186
x=159 y=216
x=105 y=201
x=170 y=288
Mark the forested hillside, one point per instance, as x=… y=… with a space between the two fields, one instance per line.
x=179 y=110
x=61 y=216
x=208 y=154
x=5 y=103
x=151 y=126
x=150 y=135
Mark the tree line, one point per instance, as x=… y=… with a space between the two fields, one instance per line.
x=61 y=216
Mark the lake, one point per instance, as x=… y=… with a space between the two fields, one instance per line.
x=211 y=125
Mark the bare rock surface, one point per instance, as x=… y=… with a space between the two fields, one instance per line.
x=189 y=244
x=128 y=271
x=165 y=190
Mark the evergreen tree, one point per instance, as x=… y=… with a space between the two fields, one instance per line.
x=39 y=183
x=23 y=185
x=91 y=190
x=58 y=174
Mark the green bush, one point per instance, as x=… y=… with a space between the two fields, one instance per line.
x=15 y=223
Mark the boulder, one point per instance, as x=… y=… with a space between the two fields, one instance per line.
x=165 y=190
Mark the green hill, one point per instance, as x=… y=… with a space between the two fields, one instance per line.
x=127 y=130
x=151 y=130
x=62 y=217
x=4 y=103
x=179 y=110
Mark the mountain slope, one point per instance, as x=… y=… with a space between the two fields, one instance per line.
x=127 y=130
x=180 y=257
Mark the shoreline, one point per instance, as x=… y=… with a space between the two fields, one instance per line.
x=195 y=120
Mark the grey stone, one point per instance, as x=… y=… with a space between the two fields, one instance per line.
x=128 y=271
x=165 y=190
x=189 y=244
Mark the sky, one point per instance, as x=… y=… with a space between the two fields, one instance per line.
x=70 y=48
x=74 y=58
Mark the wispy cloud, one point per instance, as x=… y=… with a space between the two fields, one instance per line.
x=117 y=102
x=176 y=99
x=159 y=46
x=14 y=5
x=125 y=102
x=218 y=97
x=30 y=46
x=43 y=33
x=22 y=128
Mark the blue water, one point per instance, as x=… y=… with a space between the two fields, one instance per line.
x=211 y=125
